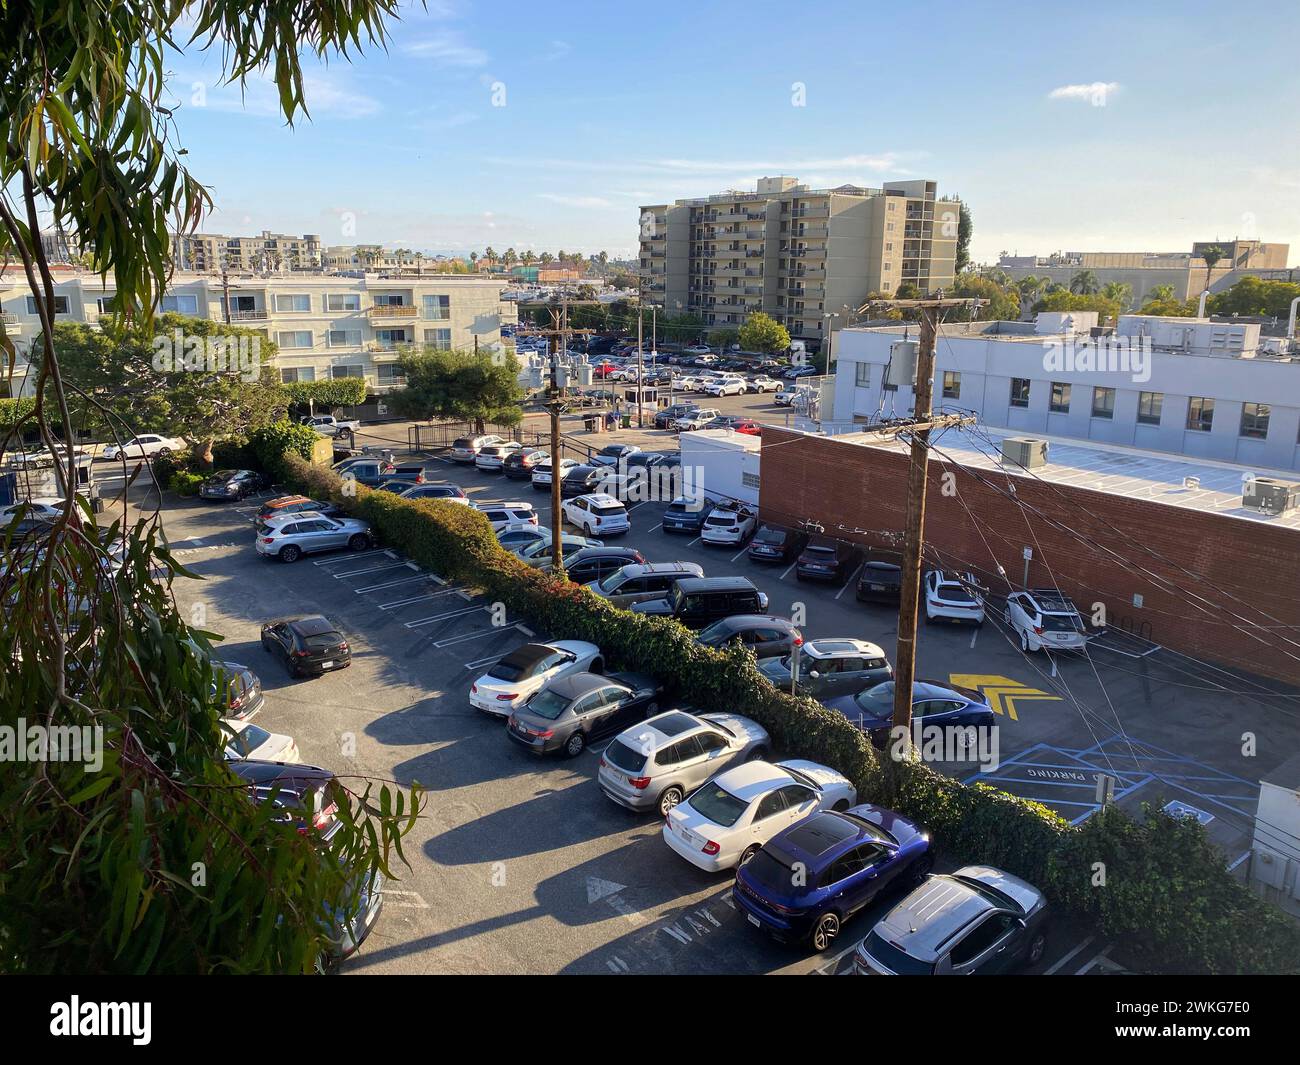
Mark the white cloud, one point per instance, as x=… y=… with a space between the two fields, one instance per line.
x=576 y=201
x=1095 y=93
x=448 y=49
x=327 y=96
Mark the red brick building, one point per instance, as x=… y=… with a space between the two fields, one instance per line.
x=1215 y=580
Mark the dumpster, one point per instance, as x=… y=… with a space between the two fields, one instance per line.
x=626 y=421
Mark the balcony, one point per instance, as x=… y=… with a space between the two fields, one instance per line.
x=249 y=316
x=809 y=232
x=393 y=310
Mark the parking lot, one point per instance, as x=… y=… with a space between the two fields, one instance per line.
x=522 y=865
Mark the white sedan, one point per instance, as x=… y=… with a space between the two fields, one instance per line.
x=724 y=526
x=727 y=820
x=763 y=383
x=493 y=456
x=245 y=740
x=528 y=669
x=145 y=446
x=542 y=471
x=47 y=509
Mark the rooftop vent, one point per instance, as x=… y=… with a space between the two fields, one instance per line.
x=1025 y=451
x=1270 y=496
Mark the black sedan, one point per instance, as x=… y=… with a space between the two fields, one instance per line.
x=575 y=709
x=233 y=484
x=309 y=645
x=581 y=481
x=774 y=544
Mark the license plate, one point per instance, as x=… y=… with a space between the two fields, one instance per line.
x=876 y=587
x=326 y=665
x=754 y=920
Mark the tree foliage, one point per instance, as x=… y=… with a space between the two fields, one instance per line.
x=464 y=385
x=1255 y=296
x=1069 y=301
x=761 y=332
x=330 y=393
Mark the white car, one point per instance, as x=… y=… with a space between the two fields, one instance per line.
x=597 y=514
x=1046 y=620
x=503 y=515
x=728 y=819
x=40 y=509
x=726 y=386
x=493 y=456
x=787 y=394
x=542 y=471
x=144 y=446
x=953 y=597
x=696 y=349
x=705 y=360
x=244 y=740
x=685 y=383
x=726 y=526
x=696 y=419
x=527 y=669
x=763 y=383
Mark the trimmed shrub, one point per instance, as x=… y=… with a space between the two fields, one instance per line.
x=184 y=483
x=272 y=444
x=1166 y=893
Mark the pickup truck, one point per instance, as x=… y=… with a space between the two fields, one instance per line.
x=328 y=425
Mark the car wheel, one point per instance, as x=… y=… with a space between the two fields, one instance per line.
x=841 y=806
x=359 y=542
x=758 y=754
x=575 y=745
x=1024 y=642
x=163 y=452
x=824 y=932
x=597 y=666
x=1037 y=948
x=748 y=853
x=289 y=553
x=921 y=868
x=266 y=644
x=669 y=799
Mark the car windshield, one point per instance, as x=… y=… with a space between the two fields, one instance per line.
x=715 y=633
x=822 y=552
x=624 y=757
x=877 y=701
x=893 y=958
x=508 y=672
x=547 y=704
x=1060 y=623
x=720 y=521
x=718 y=805
x=246 y=740
x=325 y=641
x=611 y=582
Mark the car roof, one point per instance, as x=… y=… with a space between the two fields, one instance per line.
x=715 y=584
x=739 y=622
x=256 y=771
x=284 y=501
x=310 y=625
x=816 y=841
x=747 y=782
x=840 y=645
x=641 y=569
x=601 y=499
x=527 y=656
x=574 y=685
x=301 y=515
x=605 y=551
x=668 y=728
x=925 y=922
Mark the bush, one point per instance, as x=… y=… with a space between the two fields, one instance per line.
x=165 y=467
x=1166 y=891
x=272 y=444
x=184 y=483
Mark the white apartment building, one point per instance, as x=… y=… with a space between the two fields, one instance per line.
x=325 y=326
x=1185 y=386
x=267 y=252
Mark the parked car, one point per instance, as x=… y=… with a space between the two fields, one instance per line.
x=32 y=510
x=309 y=646
x=656 y=764
x=976 y=920
x=397 y=486
x=493 y=456
x=466 y=448
x=541 y=475
x=638 y=582
x=933 y=703
x=830 y=667
x=305 y=796
x=729 y=525
x=773 y=544
x=233 y=484
x=789 y=393
x=597 y=514
x=439 y=490
x=766 y=635
x=295 y=504
x=594 y=563
x=726 y=386
x=371 y=472
x=696 y=350
x=146 y=445
x=827 y=560
x=762 y=383
x=538 y=553
x=239 y=688
x=328 y=425
x=291 y=536
x=685 y=514
x=811 y=878
x=953 y=597
x=519 y=465
x=503 y=514
x=520 y=534
x=245 y=740
x=612 y=454
x=527 y=669
x=573 y=710
x=696 y=419
x=1046 y=620
x=881 y=579
x=581 y=481
x=727 y=820
x=699 y=601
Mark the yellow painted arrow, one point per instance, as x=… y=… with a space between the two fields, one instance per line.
x=1002 y=692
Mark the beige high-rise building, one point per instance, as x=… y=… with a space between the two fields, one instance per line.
x=804 y=256
x=269 y=252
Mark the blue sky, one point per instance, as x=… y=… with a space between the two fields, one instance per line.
x=1100 y=127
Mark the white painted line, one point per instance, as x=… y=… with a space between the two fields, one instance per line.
x=368 y=569
x=412 y=565
x=407 y=900
x=694 y=542
x=635 y=505
x=464 y=595
x=657 y=527
x=442 y=617
x=1244 y=856
x=1053 y=661
x=788 y=568
x=526 y=631
x=829 y=968
x=850 y=582
x=1092 y=961
x=973 y=637
x=1062 y=962
x=347 y=558
x=480 y=662
x=739 y=553
x=473 y=634
x=392 y=584
x=397 y=604
x=677 y=933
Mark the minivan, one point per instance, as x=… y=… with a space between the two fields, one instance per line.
x=699 y=601
x=636 y=584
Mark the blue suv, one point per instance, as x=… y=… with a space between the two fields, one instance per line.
x=809 y=879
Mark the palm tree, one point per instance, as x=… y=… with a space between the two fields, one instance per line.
x=1160 y=293
x=529 y=258
x=1029 y=288
x=511 y=257
x=489 y=255
x=547 y=258
x=1085 y=283
x=1211 y=255
x=1120 y=292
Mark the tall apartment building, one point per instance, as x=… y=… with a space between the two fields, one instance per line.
x=325 y=326
x=269 y=252
x=800 y=255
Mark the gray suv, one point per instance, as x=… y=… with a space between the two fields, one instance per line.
x=290 y=536
x=654 y=765
x=642 y=581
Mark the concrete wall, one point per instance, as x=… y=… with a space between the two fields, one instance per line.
x=721 y=462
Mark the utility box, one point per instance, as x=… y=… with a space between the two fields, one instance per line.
x=901 y=371
x=1027 y=452
x=585 y=375
x=1271 y=495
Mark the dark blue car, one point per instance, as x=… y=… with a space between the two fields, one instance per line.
x=809 y=879
x=933 y=703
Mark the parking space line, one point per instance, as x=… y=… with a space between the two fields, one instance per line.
x=739 y=553
x=350 y=557
x=368 y=569
x=1061 y=963
x=828 y=969
x=397 y=604
x=473 y=634
x=392 y=584
x=1092 y=961
x=479 y=662
x=433 y=619
x=975 y=635
x=850 y=581
x=657 y=527
x=788 y=569
x=695 y=541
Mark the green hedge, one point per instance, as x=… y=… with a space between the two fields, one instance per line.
x=1166 y=895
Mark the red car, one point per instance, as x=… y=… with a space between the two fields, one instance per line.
x=749 y=427
x=603 y=369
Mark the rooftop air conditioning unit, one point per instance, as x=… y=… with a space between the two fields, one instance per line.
x=1271 y=496
x=1024 y=451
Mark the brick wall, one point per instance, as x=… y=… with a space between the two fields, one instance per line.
x=856 y=487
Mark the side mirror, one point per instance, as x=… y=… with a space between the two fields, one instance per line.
x=814 y=674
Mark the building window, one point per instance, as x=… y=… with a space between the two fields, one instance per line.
x=344 y=338
x=438 y=338
x=389 y=338
x=1060 y=401
x=347 y=370
x=889 y=246
x=750 y=480
x=106 y=304
x=1149 y=406
x=951 y=384
x=1103 y=403
x=293 y=374
x=437 y=308
x=389 y=373
x=287 y=303
x=60 y=305
x=297 y=338
x=1200 y=414
x=185 y=303
x=862 y=374
x=1254 y=420
x=343 y=301
x=1020 y=391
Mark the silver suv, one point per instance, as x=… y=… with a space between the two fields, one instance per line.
x=290 y=536
x=654 y=765
x=642 y=581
